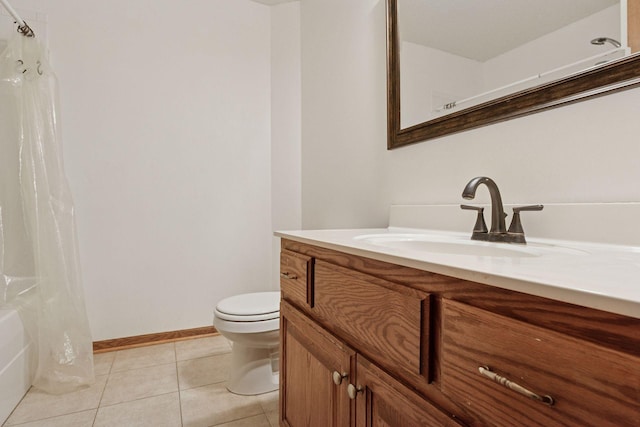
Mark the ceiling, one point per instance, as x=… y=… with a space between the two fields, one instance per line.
x=483 y=29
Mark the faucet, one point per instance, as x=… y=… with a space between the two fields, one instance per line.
x=497 y=209
x=498 y=231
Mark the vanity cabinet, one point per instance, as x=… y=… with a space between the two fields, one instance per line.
x=370 y=343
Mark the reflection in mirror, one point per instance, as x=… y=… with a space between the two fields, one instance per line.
x=455 y=64
x=460 y=53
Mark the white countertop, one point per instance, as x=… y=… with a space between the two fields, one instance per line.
x=600 y=276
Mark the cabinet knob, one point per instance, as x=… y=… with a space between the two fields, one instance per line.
x=353 y=391
x=338 y=377
x=287 y=275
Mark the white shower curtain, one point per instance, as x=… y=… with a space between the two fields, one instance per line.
x=39 y=272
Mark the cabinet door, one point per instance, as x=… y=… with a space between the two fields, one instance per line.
x=314 y=373
x=382 y=401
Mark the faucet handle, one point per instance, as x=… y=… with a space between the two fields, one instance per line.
x=528 y=208
x=480 y=226
x=516 y=224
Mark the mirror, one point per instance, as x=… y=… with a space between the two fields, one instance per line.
x=460 y=64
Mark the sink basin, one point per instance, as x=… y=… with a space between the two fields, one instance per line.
x=457 y=245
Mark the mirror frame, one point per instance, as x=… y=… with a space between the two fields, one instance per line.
x=619 y=75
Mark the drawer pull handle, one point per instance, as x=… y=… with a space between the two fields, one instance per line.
x=338 y=377
x=485 y=371
x=288 y=276
x=353 y=391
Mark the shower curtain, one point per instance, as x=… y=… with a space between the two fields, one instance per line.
x=39 y=272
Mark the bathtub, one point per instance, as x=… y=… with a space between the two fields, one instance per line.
x=15 y=349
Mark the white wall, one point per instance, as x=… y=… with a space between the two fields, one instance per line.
x=165 y=113
x=286 y=184
x=585 y=152
x=343 y=108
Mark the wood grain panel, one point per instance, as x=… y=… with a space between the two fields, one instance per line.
x=309 y=356
x=384 y=402
x=591 y=385
x=387 y=322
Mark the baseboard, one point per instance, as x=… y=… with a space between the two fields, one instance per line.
x=151 y=339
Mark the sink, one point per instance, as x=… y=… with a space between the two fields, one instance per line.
x=458 y=245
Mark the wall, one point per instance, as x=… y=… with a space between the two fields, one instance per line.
x=585 y=152
x=344 y=181
x=165 y=114
x=286 y=184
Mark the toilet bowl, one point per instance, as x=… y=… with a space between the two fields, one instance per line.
x=251 y=322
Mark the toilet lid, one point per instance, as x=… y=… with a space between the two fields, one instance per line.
x=254 y=304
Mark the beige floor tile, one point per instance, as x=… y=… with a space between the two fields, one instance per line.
x=269 y=401
x=157 y=411
x=37 y=405
x=204 y=371
x=102 y=362
x=257 y=421
x=202 y=347
x=274 y=420
x=213 y=404
x=140 y=383
x=78 y=419
x=143 y=357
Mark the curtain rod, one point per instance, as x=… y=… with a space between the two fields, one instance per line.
x=23 y=28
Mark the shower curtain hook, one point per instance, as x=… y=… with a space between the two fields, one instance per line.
x=25 y=29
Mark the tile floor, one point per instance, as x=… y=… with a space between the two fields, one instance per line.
x=174 y=384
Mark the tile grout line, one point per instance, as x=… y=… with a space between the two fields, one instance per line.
x=175 y=353
x=134 y=400
x=49 y=418
x=95 y=417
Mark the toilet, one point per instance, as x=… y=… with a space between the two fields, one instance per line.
x=251 y=322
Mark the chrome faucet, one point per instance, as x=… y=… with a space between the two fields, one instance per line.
x=498 y=231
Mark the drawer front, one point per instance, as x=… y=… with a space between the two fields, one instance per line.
x=296 y=278
x=590 y=385
x=388 y=323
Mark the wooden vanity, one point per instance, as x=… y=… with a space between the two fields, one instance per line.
x=370 y=343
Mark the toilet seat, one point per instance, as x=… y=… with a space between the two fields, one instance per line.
x=252 y=318
x=254 y=307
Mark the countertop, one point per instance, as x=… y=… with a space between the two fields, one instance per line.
x=600 y=276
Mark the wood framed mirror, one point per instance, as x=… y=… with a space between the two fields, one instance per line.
x=604 y=77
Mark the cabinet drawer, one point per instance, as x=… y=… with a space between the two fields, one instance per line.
x=388 y=323
x=590 y=385
x=296 y=277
